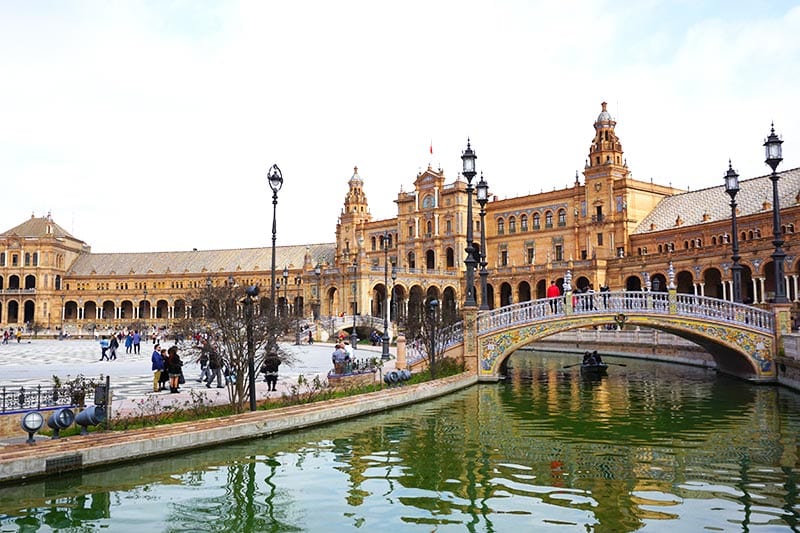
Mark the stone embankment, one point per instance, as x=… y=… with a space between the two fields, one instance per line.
x=46 y=457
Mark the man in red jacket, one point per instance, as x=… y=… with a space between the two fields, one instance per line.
x=553 y=292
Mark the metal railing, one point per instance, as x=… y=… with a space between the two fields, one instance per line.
x=628 y=302
x=19 y=399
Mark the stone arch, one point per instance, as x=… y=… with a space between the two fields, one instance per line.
x=523 y=291
x=28 y=311
x=633 y=283
x=379 y=299
x=30 y=281
x=685 y=282
x=13 y=311
x=581 y=283
x=13 y=281
x=712 y=282
x=506 y=296
x=541 y=289
x=738 y=352
x=449 y=306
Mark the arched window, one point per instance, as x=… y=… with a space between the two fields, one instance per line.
x=373 y=244
x=512 y=224
x=450 y=258
x=429 y=228
x=501 y=226
x=562 y=218
x=523 y=223
x=411 y=260
x=548 y=219
x=537 y=222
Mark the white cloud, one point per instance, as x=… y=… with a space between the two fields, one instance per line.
x=151 y=126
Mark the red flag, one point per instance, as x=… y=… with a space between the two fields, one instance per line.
x=431 y=148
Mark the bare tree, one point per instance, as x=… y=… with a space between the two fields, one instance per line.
x=431 y=327
x=219 y=315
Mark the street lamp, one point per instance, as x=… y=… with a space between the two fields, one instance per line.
x=433 y=306
x=385 y=336
x=482 y=192
x=250 y=292
x=394 y=304
x=144 y=308
x=732 y=187
x=353 y=334
x=774 y=156
x=468 y=158
x=318 y=274
x=275 y=179
x=285 y=288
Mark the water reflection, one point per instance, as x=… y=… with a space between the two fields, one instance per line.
x=649 y=447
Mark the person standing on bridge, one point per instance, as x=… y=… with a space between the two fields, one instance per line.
x=553 y=292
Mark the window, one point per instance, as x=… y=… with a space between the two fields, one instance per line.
x=429 y=228
x=411 y=232
x=548 y=220
x=450 y=258
x=559 y=252
x=504 y=258
x=501 y=226
x=536 y=221
x=2 y=259
x=599 y=239
x=562 y=218
x=27 y=259
x=531 y=255
x=35 y=258
x=448 y=227
x=14 y=260
x=523 y=223
x=512 y=225
x=373 y=244
x=411 y=262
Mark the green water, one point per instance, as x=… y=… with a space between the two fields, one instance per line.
x=650 y=447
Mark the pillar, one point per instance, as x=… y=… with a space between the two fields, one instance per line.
x=400 y=363
x=471 y=355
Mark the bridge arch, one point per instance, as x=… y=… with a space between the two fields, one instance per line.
x=740 y=338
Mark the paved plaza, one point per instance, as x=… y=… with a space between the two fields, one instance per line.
x=33 y=362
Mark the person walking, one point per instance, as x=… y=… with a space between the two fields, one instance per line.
x=104 y=348
x=270 y=370
x=157 y=367
x=205 y=371
x=553 y=292
x=174 y=367
x=137 y=341
x=215 y=368
x=113 y=344
x=129 y=342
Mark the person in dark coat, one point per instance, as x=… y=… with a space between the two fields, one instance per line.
x=270 y=370
x=174 y=367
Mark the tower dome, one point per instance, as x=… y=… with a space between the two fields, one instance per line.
x=604 y=115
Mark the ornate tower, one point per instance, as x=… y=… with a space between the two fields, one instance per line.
x=606 y=173
x=349 y=229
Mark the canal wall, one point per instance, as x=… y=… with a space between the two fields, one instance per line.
x=645 y=343
x=49 y=457
x=788 y=362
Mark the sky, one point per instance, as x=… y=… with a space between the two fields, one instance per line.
x=151 y=125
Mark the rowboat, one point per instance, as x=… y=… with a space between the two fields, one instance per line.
x=594 y=369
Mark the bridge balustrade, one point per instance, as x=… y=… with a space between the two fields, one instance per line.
x=622 y=302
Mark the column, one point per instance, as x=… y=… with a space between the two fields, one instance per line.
x=753 y=282
x=762 y=283
x=794 y=283
x=725 y=290
x=702 y=288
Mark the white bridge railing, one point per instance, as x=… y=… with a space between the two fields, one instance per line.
x=620 y=303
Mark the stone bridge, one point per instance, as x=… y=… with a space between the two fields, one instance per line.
x=743 y=339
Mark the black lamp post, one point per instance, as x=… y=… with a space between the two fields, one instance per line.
x=482 y=192
x=318 y=274
x=774 y=156
x=285 y=289
x=433 y=306
x=732 y=187
x=353 y=334
x=251 y=356
x=394 y=304
x=275 y=179
x=385 y=336
x=468 y=158
x=144 y=309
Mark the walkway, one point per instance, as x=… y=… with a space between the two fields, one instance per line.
x=34 y=362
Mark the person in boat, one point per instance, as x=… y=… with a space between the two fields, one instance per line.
x=597 y=359
x=587 y=358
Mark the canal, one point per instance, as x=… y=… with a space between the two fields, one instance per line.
x=650 y=447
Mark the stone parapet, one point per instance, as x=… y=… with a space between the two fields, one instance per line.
x=23 y=461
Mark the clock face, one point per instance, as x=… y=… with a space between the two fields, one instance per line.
x=427 y=201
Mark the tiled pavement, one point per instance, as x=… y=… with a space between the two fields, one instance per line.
x=35 y=361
